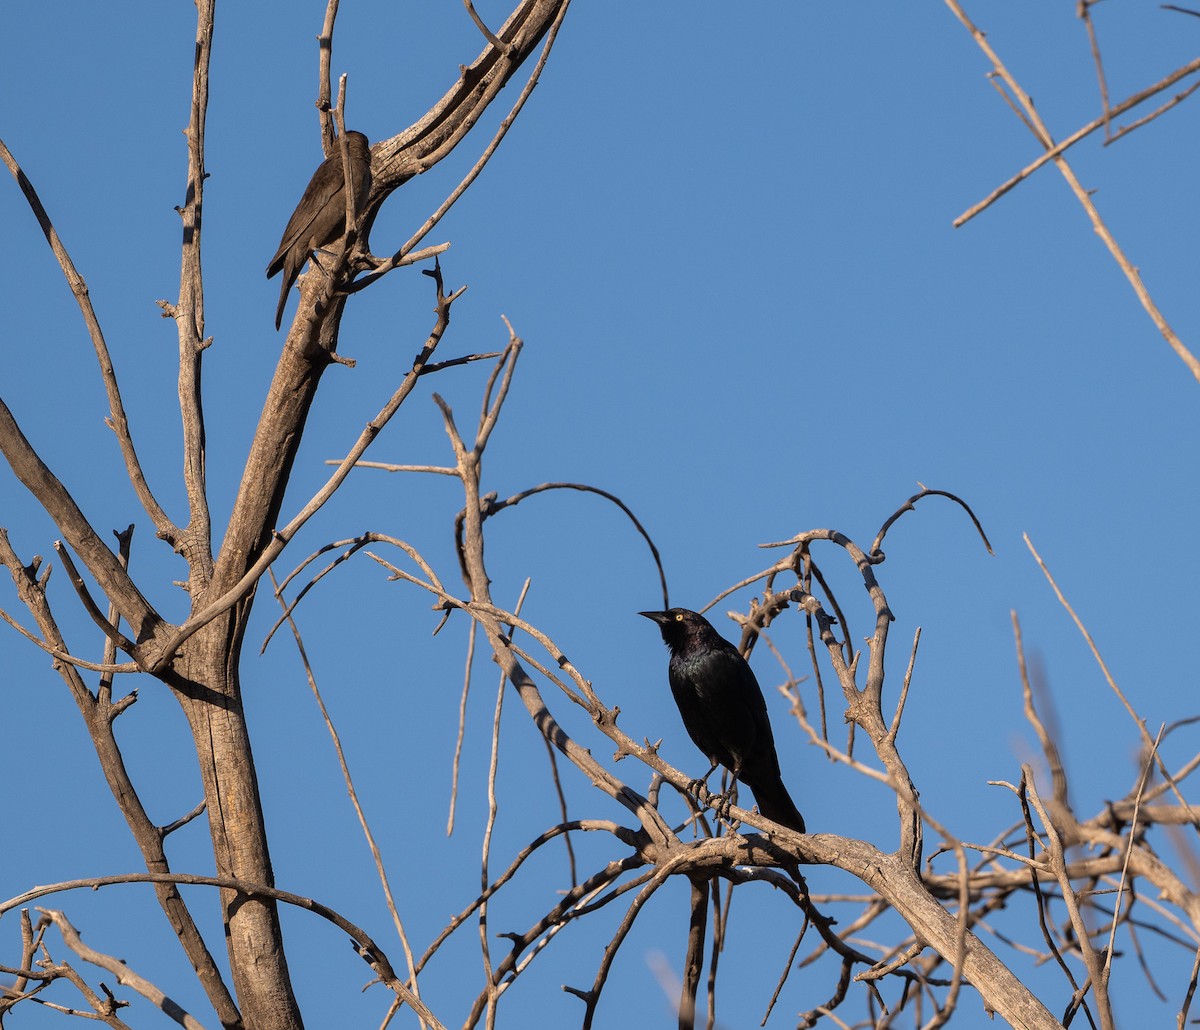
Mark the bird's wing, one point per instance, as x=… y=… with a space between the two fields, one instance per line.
x=698 y=721
x=721 y=705
x=326 y=183
x=745 y=727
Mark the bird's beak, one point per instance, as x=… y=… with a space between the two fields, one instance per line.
x=659 y=617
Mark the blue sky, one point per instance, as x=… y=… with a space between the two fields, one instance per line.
x=726 y=241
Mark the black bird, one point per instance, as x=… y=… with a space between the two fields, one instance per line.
x=724 y=712
x=320 y=217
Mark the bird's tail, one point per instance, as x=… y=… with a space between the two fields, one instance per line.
x=776 y=803
x=289 y=278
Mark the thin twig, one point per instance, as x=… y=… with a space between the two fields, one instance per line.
x=1075 y=137
x=462 y=725
x=479 y=24
x=79 y=289
x=1147 y=766
x=1082 y=195
x=1139 y=722
x=1070 y=898
x=1181 y=1019
x=1084 y=10
x=376 y=855
x=324 y=75
x=894 y=728
x=1022 y=792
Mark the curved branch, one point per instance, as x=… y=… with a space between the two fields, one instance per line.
x=571 y=906
x=63 y=656
x=353 y=545
x=623 y=834
x=495 y=507
x=364 y=945
x=910 y=505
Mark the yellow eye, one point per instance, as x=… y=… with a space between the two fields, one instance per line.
x=679 y=616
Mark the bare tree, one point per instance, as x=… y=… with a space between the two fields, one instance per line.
x=1074 y=880
x=199 y=660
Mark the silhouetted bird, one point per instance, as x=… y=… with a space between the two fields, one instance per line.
x=320 y=217
x=724 y=712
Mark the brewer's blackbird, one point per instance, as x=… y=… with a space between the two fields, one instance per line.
x=724 y=712
x=320 y=217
